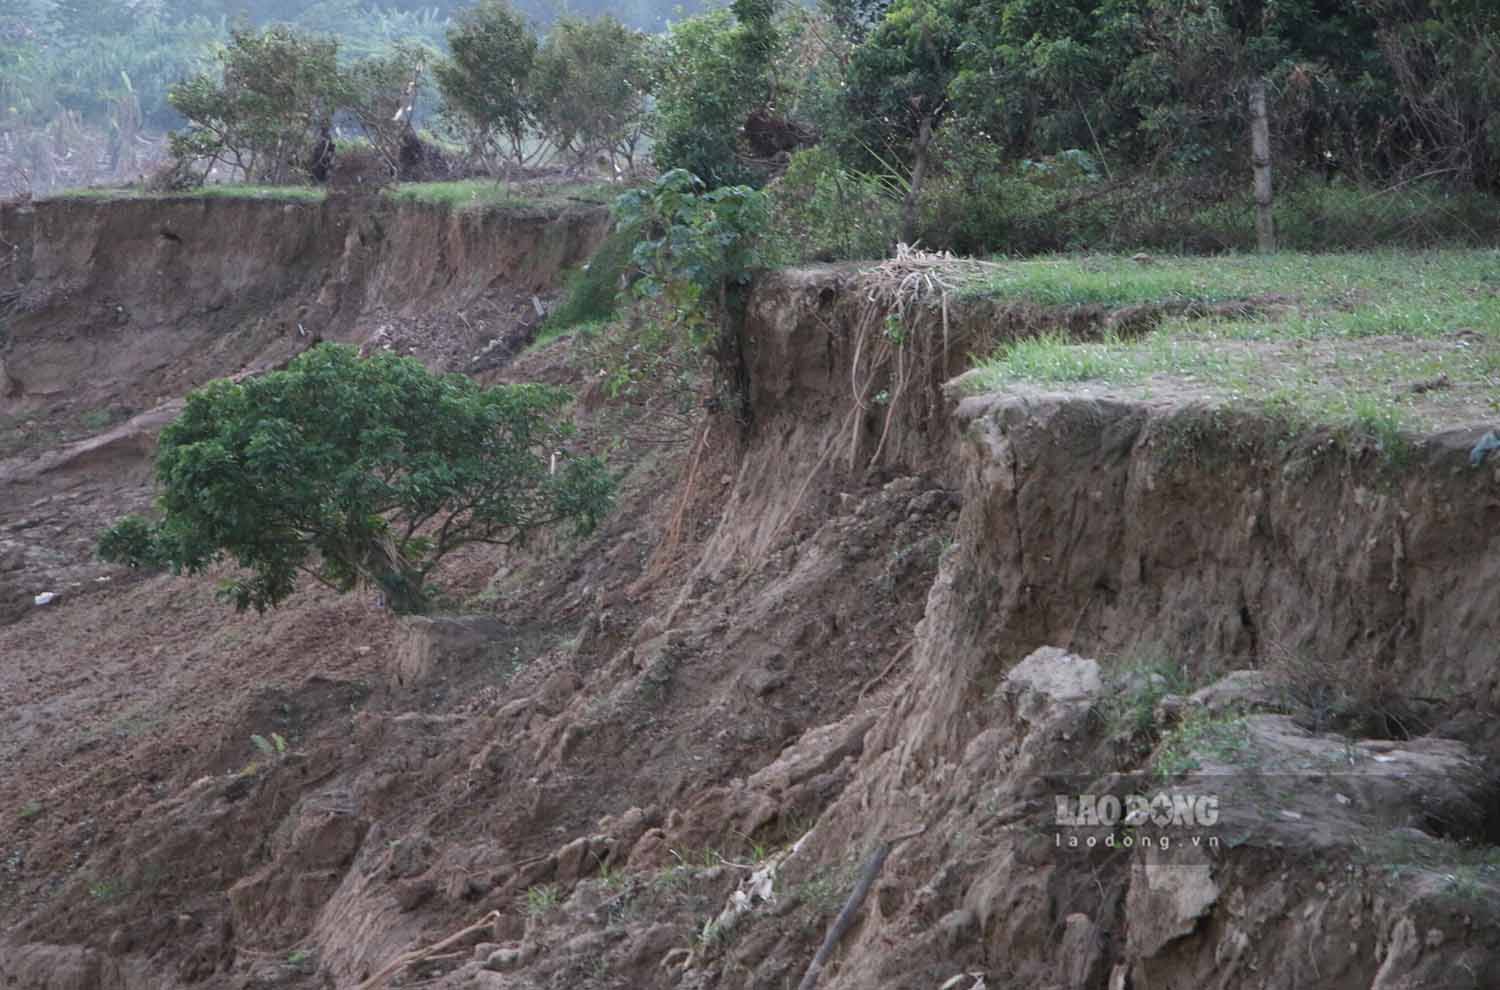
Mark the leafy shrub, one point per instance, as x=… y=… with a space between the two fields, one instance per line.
x=355 y=472
x=1314 y=216
x=711 y=72
x=981 y=203
x=591 y=293
x=696 y=247
x=701 y=100
x=826 y=212
x=275 y=94
x=693 y=250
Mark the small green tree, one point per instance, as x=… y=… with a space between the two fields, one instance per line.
x=696 y=250
x=356 y=472
x=704 y=91
x=275 y=93
x=485 y=80
x=590 y=84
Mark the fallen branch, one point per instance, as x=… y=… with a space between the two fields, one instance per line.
x=845 y=920
x=417 y=955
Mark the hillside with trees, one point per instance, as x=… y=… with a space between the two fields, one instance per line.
x=1027 y=125
x=85 y=84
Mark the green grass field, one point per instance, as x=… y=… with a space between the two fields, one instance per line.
x=467 y=194
x=1381 y=344
x=298 y=194
x=470 y=194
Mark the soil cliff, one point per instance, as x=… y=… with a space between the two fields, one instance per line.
x=841 y=640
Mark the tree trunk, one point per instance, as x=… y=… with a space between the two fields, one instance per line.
x=400 y=583
x=1260 y=158
x=918 y=174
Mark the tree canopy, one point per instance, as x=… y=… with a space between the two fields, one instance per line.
x=274 y=91
x=484 y=79
x=356 y=471
x=591 y=80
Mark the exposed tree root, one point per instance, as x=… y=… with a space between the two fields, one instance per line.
x=845 y=920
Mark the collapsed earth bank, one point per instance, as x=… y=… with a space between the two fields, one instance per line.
x=838 y=629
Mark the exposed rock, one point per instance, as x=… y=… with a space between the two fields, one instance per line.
x=650 y=852
x=1057 y=676
x=1082 y=952
x=428 y=643
x=504 y=959
x=957 y=927
x=56 y=967
x=1166 y=901
x=573 y=860
x=1239 y=690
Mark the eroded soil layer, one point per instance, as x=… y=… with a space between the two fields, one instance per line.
x=662 y=757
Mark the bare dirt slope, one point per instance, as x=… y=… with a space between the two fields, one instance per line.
x=661 y=758
x=111 y=311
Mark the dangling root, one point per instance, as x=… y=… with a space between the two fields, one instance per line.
x=672 y=538
x=906 y=290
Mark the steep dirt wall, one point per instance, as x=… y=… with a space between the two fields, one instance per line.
x=1114 y=528
x=1108 y=526
x=844 y=648
x=813 y=440
x=111 y=311
x=153 y=296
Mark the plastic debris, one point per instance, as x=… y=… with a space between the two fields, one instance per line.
x=1486 y=443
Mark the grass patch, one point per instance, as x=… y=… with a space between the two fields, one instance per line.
x=1375 y=347
x=592 y=291
x=1054 y=358
x=466 y=194
x=548 y=332
x=299 y=194
x=542 y=898
x=1101 y=280
x=483 y=194
x=1470 y=872
x=293 y=194
x=1221 y=738
x=108 y=889
x=1128 y=711
x=1393 y=283
x=826 y=889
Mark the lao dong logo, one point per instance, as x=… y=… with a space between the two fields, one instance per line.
x=1165 y=809
x=1136 y=821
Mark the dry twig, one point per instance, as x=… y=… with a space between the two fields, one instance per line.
x=418 y=955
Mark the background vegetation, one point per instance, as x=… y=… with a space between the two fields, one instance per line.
x=976 y=125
